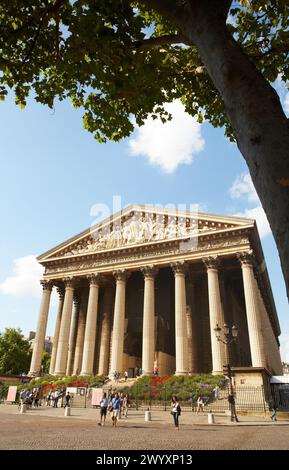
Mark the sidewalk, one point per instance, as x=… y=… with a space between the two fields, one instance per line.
x=136 y=417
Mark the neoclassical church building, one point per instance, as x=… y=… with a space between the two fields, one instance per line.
x=146 y=288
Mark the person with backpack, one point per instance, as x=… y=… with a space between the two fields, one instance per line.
x=176 y=411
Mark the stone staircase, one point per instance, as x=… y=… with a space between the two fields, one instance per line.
x=117 y=384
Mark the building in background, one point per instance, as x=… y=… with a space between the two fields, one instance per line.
x=285 y=366
x=48 y=342
x=145 y=288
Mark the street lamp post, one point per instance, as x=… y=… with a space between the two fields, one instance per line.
x=228 y=338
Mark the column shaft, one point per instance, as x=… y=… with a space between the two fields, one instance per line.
x=105 y=332
x=192 y=327
x=118 y=323
x=148 y=341
x=180 y=320
x=80 y=335
x=56 y=331
x=216 y=314
x=90 y=328
x=72 y=337
x=253 y=312
x=62 y=349
x=38 y=347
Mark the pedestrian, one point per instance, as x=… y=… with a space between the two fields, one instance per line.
x=216 y=392
x=115 y=403
x=103 y=409
x=125 y=375
x=200 y=405
x=48 y=398
x=125 y=405
x=67 y=400
x=273 y=409
x=176 y=411
x=22 y=396
x=56 y=398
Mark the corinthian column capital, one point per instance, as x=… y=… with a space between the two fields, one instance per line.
x=60 y=291
x=121 y=275
x=212 y=262
x=149 y=271
x=180 y=267
x=69 y=282
x=93 y=279
x=46 y=285
x=246 y=258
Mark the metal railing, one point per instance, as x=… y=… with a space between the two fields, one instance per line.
x=247 y=399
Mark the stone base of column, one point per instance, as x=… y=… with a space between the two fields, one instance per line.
x=149 y=372
x=60 y=374
x=217 y=372
x=181 y=373
x=33 y=373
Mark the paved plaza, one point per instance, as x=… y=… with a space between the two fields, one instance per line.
x=48 y=428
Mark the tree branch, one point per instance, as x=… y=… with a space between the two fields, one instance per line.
x=34 y=40
x=161 y=40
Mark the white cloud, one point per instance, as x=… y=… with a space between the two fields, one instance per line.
x=259 y=215
x=243 y=188
x=284 y=347
x=171 y=144
x=25 y=279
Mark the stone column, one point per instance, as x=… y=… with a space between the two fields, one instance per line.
x=80 y=335
x=118 y=323
x=216 y=313
x=62 y=349
x=192 y=326
x=179 y=269
x=274 y=364
x=253 y=311
x=105 y=331
x=90 y=328
x=60 y=291
x=190 y=338
x=148 y=338
x=38 y=347
x=72 y=335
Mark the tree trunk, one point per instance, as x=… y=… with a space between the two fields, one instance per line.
x=255 y=113
x=260 y=127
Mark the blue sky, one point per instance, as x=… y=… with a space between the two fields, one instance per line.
x=54 y=172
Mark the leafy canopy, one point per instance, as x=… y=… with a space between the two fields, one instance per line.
x=15 y=352
x=116 y=59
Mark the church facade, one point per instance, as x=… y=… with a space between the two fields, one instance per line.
x=146 y=288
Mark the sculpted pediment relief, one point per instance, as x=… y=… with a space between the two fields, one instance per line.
x=138 y=227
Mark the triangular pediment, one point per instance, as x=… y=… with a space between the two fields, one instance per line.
x=137 y=225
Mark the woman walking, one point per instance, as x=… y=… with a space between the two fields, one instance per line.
x=103 y=410
x=176 y=411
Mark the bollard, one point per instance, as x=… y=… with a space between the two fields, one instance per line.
x=148 y=415
x=67 y=411
x=211 y=418
x=23 y=408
